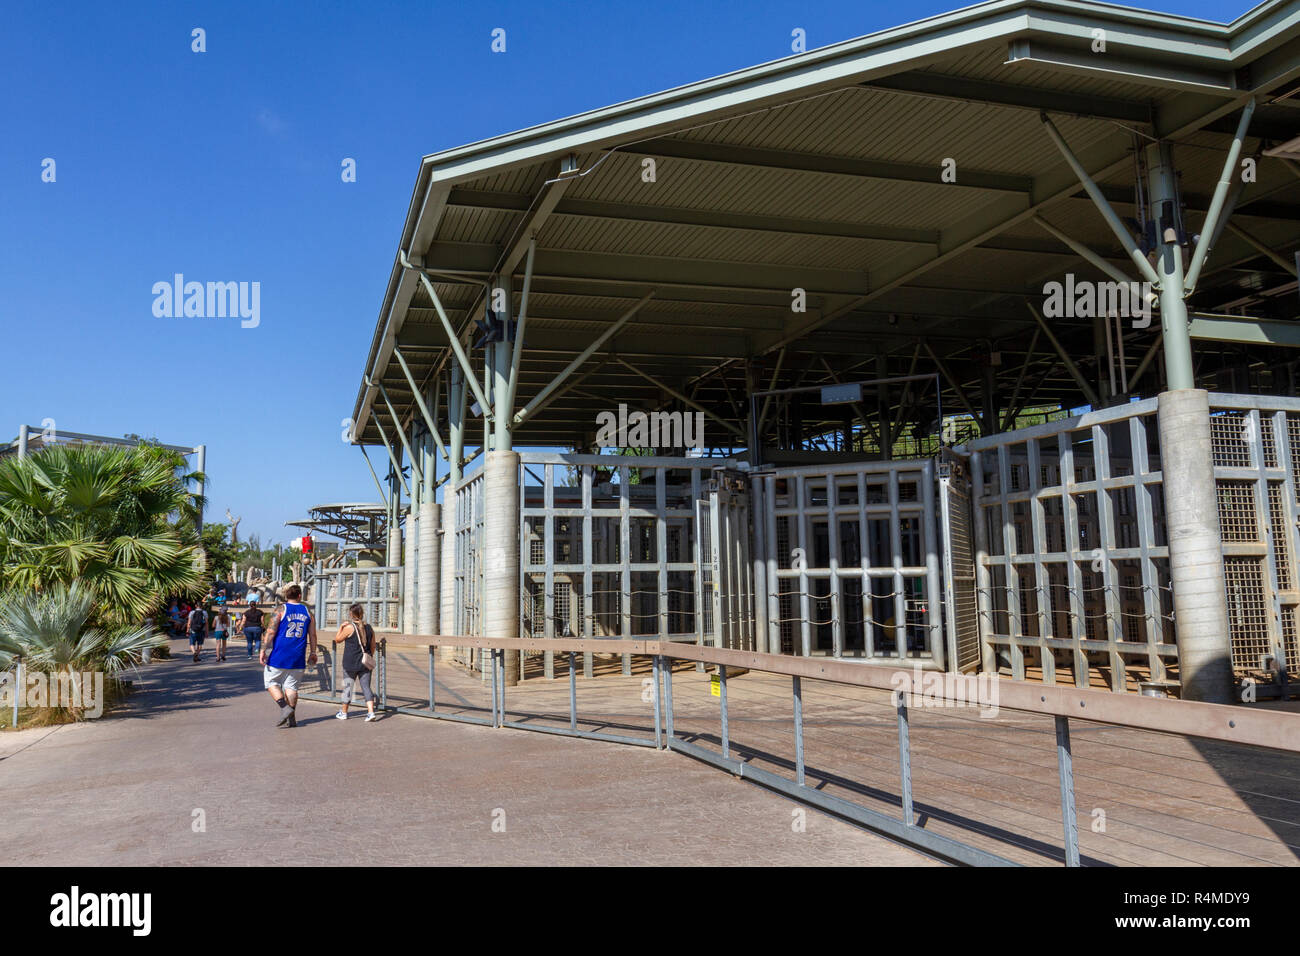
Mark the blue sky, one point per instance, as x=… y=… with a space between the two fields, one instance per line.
x=224 y=166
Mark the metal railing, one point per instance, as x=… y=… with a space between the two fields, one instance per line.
x=1279 y=732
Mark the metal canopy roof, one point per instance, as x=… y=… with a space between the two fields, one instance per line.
x=822 y=171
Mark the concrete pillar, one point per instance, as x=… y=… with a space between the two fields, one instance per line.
x=429 y=597
x=448 y=577
x=1195 y=547
x=410 y=573
x=501 y=544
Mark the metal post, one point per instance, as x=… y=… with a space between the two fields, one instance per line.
x=334 y=670
x=573 y=691
x=20 y=690
x=1065 y=768
x=798 y=730
x=502 y=373
x=904 y=760
x=432 y=708
x=1219 y=201
x=383 y=674
x=23 y=431
x=201 y=466
x=668 y=702
x=654 y=670
x=722 y=691
x=493 y=665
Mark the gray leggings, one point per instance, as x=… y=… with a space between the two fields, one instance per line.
x=350 y=681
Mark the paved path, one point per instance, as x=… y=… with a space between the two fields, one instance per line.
x=402 y=790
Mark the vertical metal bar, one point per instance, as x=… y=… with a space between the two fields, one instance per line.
x=625 y=547
x=722 y=690
x=432 y=708
x=548 y=544
x=383 y=674
x=1065 y=768
x=587 y=628
x=983 y=580
x=573 y=691
x=1042 y=580
x=501 y=687
x=805 y=634
x=904 y=759
x=492 y=664
x=798 y=730
x=933 y=587
x=334 y=669
x=773 y=584
x=20 y=689
x=1078 y=606
x=668 y=700
x=654 y=670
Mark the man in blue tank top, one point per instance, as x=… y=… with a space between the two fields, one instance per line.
x=284 y=653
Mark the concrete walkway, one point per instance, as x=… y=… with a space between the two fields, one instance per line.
x=125 y=790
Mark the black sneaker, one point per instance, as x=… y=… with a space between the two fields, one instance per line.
x=287 y=719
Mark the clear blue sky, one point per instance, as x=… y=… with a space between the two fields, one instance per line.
x=225 y=166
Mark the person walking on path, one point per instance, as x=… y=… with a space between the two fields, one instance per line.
x=197 y=624
x=221 y=631
x=284 y=654
x=358 y=642
x=251 y=624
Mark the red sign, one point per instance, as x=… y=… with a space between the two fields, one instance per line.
x=306 y=545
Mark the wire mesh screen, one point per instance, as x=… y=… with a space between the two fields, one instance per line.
x=1071 y=552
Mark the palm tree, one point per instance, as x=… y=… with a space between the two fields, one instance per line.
x=119 y=520
x=52 y=633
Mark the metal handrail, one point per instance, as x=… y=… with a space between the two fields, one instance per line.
x=1248 y=726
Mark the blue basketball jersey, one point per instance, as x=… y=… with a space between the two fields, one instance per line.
x=290 y=647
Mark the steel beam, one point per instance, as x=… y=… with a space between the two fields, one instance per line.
x=1094 y=192
x=429 y=420
x=739 y=433
x=527 y=411
x=1089 y=393
x=1229 y=175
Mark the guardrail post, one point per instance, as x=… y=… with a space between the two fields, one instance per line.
x=1065 y=768
x=492 y=664
x=905 y=760
x=383 y=673
x=722 y=692
x=654 y=670
x=501 y=688
x=573 y=691
x=432 y=709
x=668 y=703
x=798 y=730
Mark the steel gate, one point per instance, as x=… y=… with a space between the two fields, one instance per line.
x=960 y=605
x=726 y=569
x=852 y=561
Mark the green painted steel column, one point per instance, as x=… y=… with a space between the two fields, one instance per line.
x=502 y=357
x=1163 y=180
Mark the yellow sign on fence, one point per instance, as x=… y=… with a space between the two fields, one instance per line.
x=715 y=685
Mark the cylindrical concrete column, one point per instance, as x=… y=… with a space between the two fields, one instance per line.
x=501 y=547
x=1195 y=547
x=410 y=574
x=429 y=599
x=447 y=581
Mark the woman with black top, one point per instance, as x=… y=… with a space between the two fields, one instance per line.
x=358 y=642
x=252 y=625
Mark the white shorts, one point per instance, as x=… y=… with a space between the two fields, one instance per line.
x=286 y=677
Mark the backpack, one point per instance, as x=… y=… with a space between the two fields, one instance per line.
x=199 y=620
